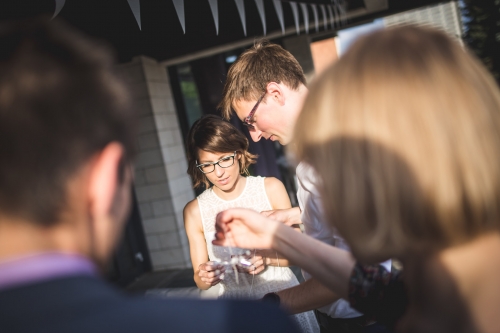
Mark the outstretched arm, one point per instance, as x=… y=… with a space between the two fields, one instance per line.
x=290 y=216
x=306 y=296
x=244 y=228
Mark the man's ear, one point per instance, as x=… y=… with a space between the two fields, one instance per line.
x=103 y=181
x=276 y=93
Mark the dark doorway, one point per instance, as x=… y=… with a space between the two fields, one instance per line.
x=131 y=259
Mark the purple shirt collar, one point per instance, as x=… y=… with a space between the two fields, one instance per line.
x=43 y=266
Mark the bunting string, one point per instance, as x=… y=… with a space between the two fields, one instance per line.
x=337 y=14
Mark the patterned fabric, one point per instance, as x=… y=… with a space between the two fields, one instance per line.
x=378 y=293
x=245 y=286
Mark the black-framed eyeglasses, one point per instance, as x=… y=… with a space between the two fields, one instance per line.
x=248 y=119
x=224 y=162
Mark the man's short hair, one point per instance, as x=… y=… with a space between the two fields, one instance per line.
x=60 y=103
x=248 y=77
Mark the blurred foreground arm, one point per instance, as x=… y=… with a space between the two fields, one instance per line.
x=245 y=228
x=306 y=296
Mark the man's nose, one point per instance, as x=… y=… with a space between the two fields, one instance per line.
x=255 y=134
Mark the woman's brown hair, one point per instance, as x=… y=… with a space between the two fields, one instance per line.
x=215 y=135
x=405 y=132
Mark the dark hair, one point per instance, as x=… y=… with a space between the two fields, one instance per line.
x=60 y=103
x=215 y=135
x=248 y=77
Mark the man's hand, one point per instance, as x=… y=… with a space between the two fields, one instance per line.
x=211 y=273
x=245 y=228
x=289 y=217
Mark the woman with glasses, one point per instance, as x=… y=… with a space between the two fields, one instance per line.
x=218 y=157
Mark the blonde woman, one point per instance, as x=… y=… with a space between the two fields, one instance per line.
x=404 y=131
x=218 y=157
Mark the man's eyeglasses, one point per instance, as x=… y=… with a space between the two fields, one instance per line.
x=248 y=120
x=224 y=162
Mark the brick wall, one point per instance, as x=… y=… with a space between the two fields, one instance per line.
x=161 y=183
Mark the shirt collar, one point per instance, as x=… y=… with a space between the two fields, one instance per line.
x=39 y=267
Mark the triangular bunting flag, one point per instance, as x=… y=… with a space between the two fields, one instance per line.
x=179 y=8
x=305 y=13
x=325 y=20
x=337 y=17
x=262 y=13
x=279 y=11
x=332 y=19
x=241 y=10
x=215 y=14
x=339 y=9
x=344 y=11
x=315 y=13
x=136 y=10
x=295 y=12
x=59 y=6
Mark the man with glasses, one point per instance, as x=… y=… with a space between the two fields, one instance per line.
x=266 y=88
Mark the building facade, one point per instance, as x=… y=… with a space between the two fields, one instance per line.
x=171 y=94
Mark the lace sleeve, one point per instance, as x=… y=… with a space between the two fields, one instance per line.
x=378 y=294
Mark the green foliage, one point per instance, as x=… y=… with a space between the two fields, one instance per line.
x=482 y=31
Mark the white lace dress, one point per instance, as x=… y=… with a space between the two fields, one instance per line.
x=273 y=278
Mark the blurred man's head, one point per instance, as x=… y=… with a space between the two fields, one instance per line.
x=66 y=134
x=266 y=88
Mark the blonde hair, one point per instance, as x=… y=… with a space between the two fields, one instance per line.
x=248 y=77
x=405 y=132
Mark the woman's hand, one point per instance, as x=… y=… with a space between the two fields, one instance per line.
x=244 y=228
x=258 y=265
x=211 y=273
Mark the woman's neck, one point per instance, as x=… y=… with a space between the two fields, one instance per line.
x=457 y=290
x=233 y=192
x=476 y=269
